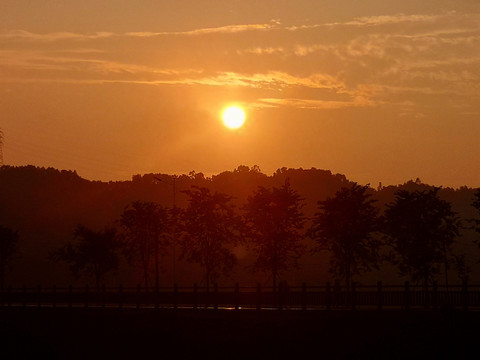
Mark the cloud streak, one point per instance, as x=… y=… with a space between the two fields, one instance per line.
x=24 y=35
x=311 y=104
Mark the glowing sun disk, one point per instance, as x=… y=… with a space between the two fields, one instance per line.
x=233 y=117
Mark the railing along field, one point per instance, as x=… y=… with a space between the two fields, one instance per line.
x=328 y=297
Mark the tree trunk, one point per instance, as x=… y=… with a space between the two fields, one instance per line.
x=157 y=282
x=427 y=295
x=274 y=281
x=97 y=276
x=2 y=275
x=145 y=270
x=445 y=261
x=97 y=283
x=207 y=278
x=347 y=277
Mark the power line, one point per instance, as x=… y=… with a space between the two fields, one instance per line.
x=40 y=153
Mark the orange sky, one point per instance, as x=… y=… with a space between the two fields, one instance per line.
x=377 y=90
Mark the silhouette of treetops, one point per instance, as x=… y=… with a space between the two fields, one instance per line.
x=421 y=229
x=274 y=229
x=146 y=237
x=91 y=253
x=8 y=250
x=347 y=225
x=210 y=226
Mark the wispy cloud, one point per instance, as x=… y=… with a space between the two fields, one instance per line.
x=394 y=19
x=314 y=104
x=229 y=29
x=61 y=36
x=54 y=36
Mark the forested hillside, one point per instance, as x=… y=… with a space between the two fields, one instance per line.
x=46 y=205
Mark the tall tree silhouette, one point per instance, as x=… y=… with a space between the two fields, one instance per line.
x=476 y=221
x=476 y=205
x=210 y=227
x=346 y=225
x=421 y=229
x=273 y=224
x=8 y=249
x=91 y=253
x=147 y=230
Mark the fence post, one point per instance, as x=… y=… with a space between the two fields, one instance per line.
x=24 y=291
x=304 y=296
x=286 y=295
x=215 y=296
x=139 y=289
x=237 y=296
x=70 y=296
x=103 y=295
x=379 y=295
x=280 y=295
x=175 y=296
x=9 y=297
x=120 y=296
x=195 y=296
x=464 y=295
x=156 y=295
x=328 y=295
x=407 y=295
x=354 y=296
x=427 y=297
x=39 y=296
x=259 y=296
x=435 y=295
x=86 y=296
x=54 y=299
x=336 y=293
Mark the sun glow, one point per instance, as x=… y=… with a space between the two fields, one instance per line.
x=233 y=117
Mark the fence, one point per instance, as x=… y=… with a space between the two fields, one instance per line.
x=302 y=297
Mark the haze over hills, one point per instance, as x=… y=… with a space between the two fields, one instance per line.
x=45 y=205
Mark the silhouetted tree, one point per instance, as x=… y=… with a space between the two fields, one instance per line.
x=346 y=225
x=8 y=249
x=421 y=228
x=476 y=221
x=210 y=226
x=461 y=261
x=91 y=252
x=147 y=227
x=273 y=224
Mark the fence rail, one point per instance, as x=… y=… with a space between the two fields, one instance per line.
x=302 y=297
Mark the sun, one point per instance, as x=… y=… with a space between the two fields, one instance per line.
x=233 y=117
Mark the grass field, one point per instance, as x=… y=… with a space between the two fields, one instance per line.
x=188 y=334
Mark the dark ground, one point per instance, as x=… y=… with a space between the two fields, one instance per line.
x=188 y=334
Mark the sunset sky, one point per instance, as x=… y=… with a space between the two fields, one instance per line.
x=378 y=90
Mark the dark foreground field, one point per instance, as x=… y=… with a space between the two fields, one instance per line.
x=148 y=333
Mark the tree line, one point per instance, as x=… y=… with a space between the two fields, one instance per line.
x=280 y=229
x=416 y=233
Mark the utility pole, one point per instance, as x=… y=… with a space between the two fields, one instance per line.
x=1 y=148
